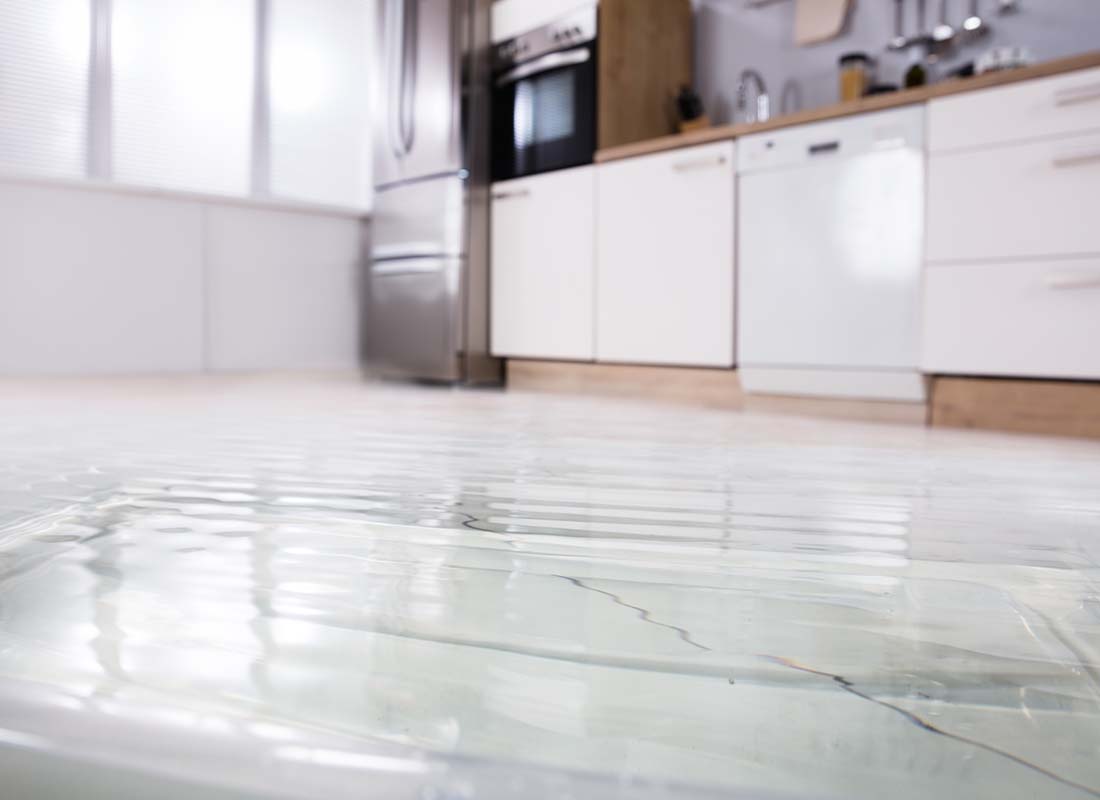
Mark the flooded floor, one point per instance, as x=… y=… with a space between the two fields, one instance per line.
x=320 y=588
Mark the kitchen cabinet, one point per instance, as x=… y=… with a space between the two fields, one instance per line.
x=1024 y=200
x=542 y=274
x=1036 y=318
x=1037 y=109
x=1012 y=283
x=665 y=258
x=830 y=228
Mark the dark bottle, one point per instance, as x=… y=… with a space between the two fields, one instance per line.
x=916 y=75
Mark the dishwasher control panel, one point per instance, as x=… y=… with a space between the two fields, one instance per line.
x=835 y=138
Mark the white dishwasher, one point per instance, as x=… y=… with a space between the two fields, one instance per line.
x=830 y=235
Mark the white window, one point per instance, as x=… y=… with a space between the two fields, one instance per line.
x=44 y=52
x=318 y=97
x=182 y=93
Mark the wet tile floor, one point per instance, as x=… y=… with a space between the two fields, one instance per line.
x=303 y=588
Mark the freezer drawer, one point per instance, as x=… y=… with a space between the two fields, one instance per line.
x=413 y=319
x=1016 y=201
x=424 y=218
x=1035 y=319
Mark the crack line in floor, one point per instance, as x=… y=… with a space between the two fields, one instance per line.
x=924 y=724
x=642 y=613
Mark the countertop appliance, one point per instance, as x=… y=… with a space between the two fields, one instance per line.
x=830 y=227
x=427 y=283
x=544 y=97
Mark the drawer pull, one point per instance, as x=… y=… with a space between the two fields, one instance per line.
x=513 y=195
x=1074 y=280
x=699 y=163
x=1077 y=94
x=1077 y=159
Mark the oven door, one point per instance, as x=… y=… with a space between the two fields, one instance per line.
x=544 y=114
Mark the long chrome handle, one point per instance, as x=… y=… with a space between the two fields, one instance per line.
x=1076 y=159
x=1077 y=94
x=699 y=163
x=395 y=78
x=514 y=194
x=544 y=63
x=1074 y=280
x=411 y=36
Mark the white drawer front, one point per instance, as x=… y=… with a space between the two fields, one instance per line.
x=1057 y=106
x=1021 y=201
x=1029 y=319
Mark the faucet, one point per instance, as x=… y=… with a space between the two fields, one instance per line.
x=762 y=112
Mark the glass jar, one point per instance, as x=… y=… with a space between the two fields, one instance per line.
x=855 y=75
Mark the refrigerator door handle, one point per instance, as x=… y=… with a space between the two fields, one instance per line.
x=395 y=52
x=409 y=49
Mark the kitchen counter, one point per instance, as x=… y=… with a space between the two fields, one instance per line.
x=875 y=103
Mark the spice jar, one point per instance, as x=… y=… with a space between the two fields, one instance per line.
x=855 y=74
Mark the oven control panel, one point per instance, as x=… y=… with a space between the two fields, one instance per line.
x=576 y=29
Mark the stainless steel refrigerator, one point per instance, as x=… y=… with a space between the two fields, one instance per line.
x=427 y=287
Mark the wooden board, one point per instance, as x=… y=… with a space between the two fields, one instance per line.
x=645 y=56
x=691 y=386
x=1059 y=408
x=863 y=105
x=819 y=20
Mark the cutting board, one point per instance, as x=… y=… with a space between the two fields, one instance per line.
x=819 y=20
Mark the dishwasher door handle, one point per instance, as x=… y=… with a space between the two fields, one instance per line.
x=822 y=148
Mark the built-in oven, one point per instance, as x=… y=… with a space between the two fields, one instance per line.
x=544 y=98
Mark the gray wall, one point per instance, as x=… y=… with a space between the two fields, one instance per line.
x=730 y=37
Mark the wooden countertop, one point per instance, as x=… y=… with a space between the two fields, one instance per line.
x=874 y=103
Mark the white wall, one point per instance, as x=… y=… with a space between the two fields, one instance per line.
x=730 y=37
x=100 y=280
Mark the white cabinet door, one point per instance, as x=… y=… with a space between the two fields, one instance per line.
x=664 y=274
x=543 y=251
x=1029 y=318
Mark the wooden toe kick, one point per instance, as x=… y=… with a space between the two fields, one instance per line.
x=1058 y=408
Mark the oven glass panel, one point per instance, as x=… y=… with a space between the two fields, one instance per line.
x=544 y=122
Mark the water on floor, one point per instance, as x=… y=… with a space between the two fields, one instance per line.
x=327 y=589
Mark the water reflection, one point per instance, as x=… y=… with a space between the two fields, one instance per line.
x=740 y=603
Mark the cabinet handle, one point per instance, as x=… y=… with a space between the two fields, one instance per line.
x=1076 y=159
x=1077 y=94
x=699 y=163
x=515 y=194
x=1074 y=280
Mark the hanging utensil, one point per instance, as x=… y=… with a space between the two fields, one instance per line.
x=973 y=24
x=899 y=41
x=943 y=32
